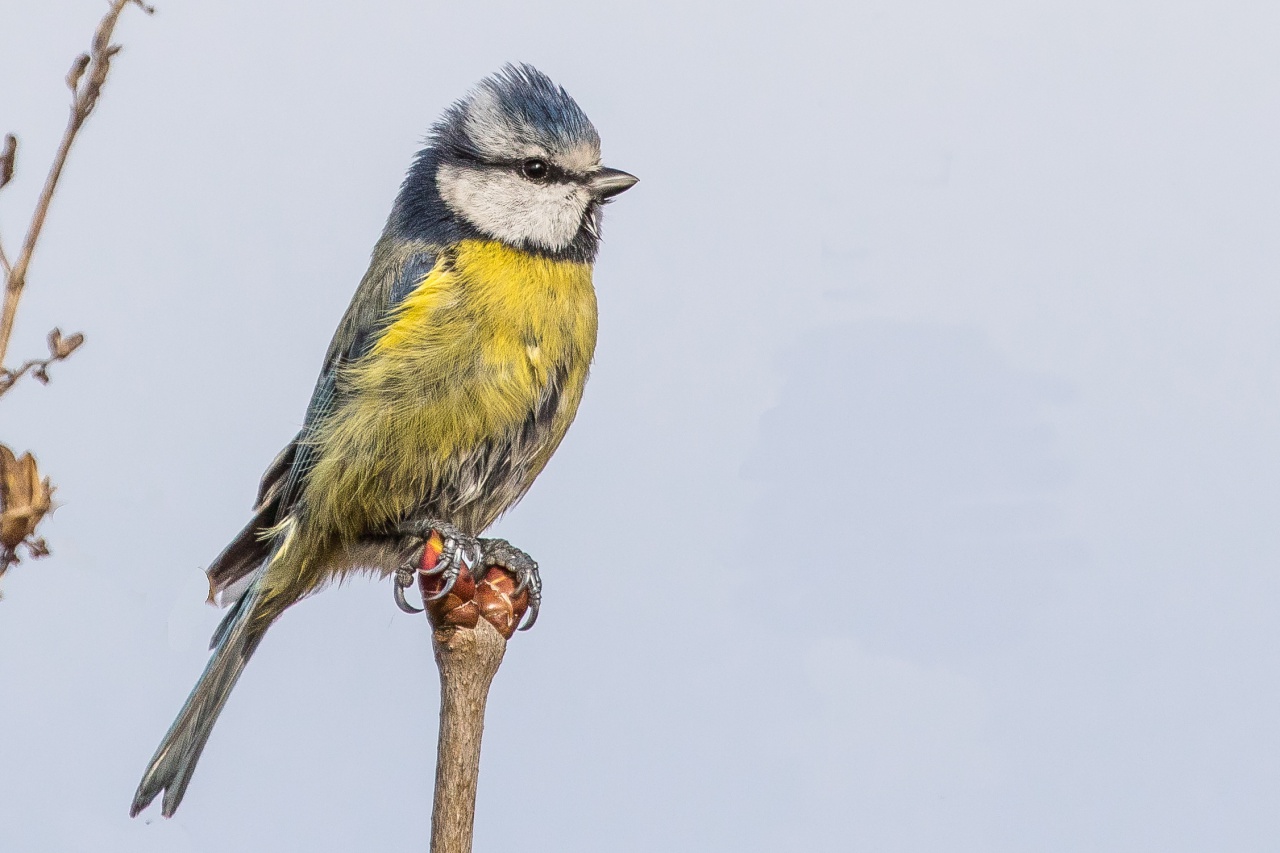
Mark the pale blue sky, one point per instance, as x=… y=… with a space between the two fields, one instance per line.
x=924 y=497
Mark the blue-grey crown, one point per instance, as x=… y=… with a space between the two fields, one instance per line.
x=526 y=103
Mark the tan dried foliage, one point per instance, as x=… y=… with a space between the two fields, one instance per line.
x=25 y=499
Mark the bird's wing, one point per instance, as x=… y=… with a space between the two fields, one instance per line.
x=388 y=283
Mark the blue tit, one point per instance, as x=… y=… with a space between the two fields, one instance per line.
x=450 y=381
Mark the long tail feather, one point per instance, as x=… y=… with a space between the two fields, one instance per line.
x=175 y=759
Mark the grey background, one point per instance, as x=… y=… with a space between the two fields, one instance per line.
x=924 y=495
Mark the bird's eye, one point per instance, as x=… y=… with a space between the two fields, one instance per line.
x=534 y=169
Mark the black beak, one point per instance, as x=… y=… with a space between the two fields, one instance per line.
x=607 y=183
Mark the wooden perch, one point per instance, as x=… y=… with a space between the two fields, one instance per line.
x=468 y=659
x=470 y=629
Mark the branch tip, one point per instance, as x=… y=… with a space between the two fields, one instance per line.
x=78 y=65
x=8 y=158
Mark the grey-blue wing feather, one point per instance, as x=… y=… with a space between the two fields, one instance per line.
x=394 y=274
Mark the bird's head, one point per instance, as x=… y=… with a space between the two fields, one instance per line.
x=518 y=161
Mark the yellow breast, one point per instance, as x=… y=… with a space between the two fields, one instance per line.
x=466 y=359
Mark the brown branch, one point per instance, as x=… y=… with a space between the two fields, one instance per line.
x=8 y=156
x=85 y=79
x=468 y=659
x=471 y=626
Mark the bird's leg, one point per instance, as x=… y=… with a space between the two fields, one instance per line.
x=459 y=551
x=500 y=552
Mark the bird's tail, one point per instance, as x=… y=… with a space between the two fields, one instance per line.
x=175 y=760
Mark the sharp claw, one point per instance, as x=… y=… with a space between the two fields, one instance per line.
x=531 y=616
x=470 y=561
x=448 y=585
x=523 y=584
x=401 y=601
x=448 y=554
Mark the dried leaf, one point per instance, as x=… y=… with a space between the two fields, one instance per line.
x=71 y=344
x=25 y=499
x=38 y=548
x=60 y=347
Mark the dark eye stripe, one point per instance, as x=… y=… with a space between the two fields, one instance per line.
x=555 y=174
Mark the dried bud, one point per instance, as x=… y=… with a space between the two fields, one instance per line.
x=492 y=598
x=498 y=603
x=78 y=66
x=41 y=374
x=8 y=157
x=60 y=347
x=38 y=548
x=25 y=499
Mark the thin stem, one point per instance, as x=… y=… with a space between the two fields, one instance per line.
x=88 y=73
x=17 y=278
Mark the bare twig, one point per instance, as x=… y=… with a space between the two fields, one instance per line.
x=59 y=349
x=8 y=157
x=85 y=79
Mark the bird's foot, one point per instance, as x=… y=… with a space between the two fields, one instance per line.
x=501 y=553
x=456 y=552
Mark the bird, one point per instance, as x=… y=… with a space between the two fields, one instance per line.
x=452 y=377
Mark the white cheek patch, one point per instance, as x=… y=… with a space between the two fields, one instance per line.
x=512 y=209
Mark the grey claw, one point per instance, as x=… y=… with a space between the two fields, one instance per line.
x=525 y=581
x=455 y=554
x=448 y=585
x=500 y=552
x=448 y=556
x=531 y=616
x=448 y=553
x=404 y=578
x=530 y=581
